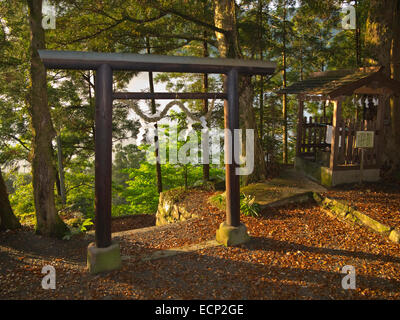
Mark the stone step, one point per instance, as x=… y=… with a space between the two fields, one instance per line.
x=160 y=254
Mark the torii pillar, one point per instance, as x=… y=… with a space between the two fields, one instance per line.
x=232 y=232
x=103 y=254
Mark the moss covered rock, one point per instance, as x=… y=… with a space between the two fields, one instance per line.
x=171 y=208
x=103 y=259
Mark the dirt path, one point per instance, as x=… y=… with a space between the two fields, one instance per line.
x=290 y=183
x=296 y=252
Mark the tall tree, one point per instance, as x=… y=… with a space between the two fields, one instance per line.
x=206 y=166
x=284 y=96
x=383 y=39
x=228 y=47
x=154 y=111
x=7 y=218
x=261 y=53
x=357 y=32
x=47 y=220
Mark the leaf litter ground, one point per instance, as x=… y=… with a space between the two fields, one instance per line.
x=296 y=252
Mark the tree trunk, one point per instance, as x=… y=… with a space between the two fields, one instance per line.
x=261 y=109
x=153 y=111
x=260 y=39
x=61 y=171
x=7 y=218
x=58 y=184
x=228 y=47
x=358 y=38
x=185 y=173
x=43 y=171
x=248 y=120
x=383 y=39
x=284 y=97
x=206 y=166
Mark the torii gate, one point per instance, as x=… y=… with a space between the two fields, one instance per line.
x=104 y=254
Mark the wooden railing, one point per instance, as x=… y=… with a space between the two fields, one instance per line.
x=313 y=133
x=348 y=154
x=312 y=136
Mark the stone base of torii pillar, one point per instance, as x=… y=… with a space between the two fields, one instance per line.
x=232 y=236
x=103 y=259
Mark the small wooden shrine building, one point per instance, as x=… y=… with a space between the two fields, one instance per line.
x=326 y=146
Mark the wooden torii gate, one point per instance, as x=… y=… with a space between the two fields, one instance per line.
x=103 y=255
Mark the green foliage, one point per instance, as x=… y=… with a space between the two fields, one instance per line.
x=86 y=223
x=22 y=200
x=248 y=207
x=126 y=157
x=78 y=226
x=141 y=194
x=14 y=70
x=175 y=194
x=80 y=190
x=218 y=201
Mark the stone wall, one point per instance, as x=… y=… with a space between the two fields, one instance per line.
x=171 y=207
x=329 y=178
x=314 y=171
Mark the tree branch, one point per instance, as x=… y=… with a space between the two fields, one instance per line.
x=192 y=19
x=92 y=35
x=20 y=141
x=87 y=79
x=128 y=18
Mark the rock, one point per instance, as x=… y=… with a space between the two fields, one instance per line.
x=219 y=185
x=198 y=183
x=183 y=212
x=103 y=259
x=232 y=236
x=171 y=209
x=395 y=236
x=175 y=212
